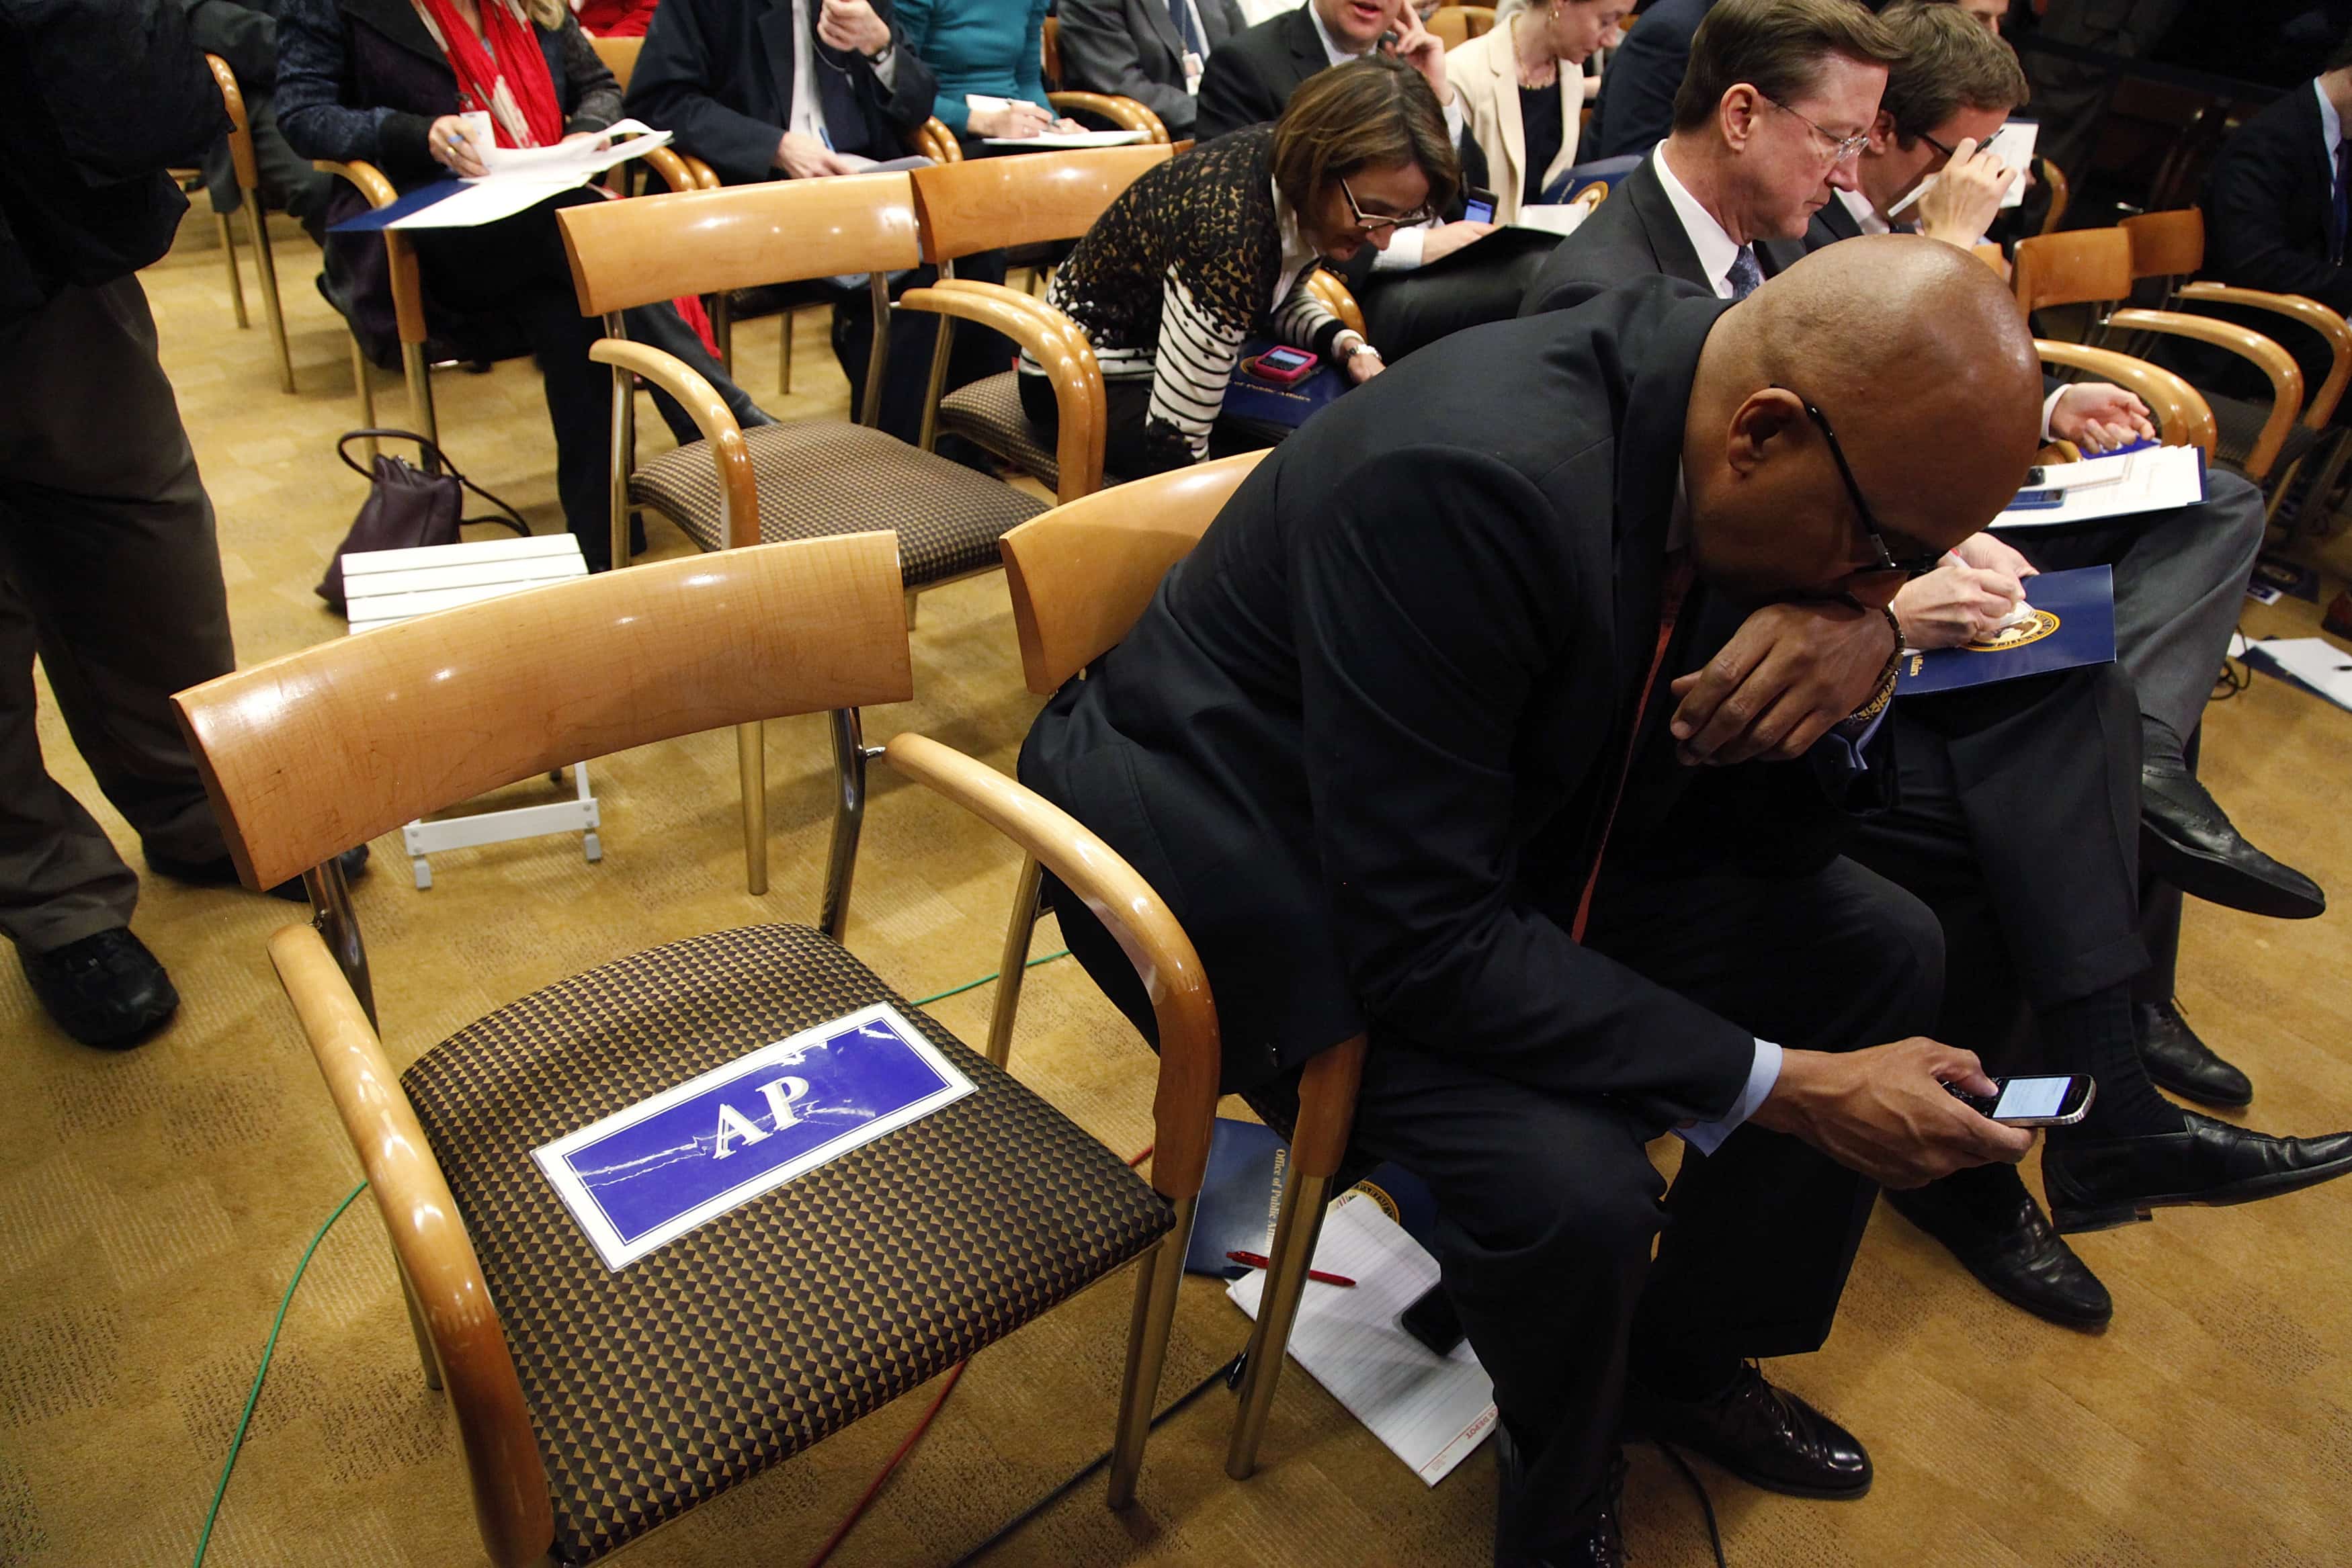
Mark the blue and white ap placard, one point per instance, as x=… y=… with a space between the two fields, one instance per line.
x=647 y=1175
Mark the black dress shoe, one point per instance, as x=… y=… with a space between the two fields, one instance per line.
x=2095 y=1185
x=105 y=990
x=223 y=872
x=1600 y=1544
x=2185 y=839
x=1765 y=1435
x=2018 y=1258
x=2183 y=1063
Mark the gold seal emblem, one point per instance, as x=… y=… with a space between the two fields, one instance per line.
x=2042 y=624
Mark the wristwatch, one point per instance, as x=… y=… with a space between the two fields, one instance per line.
x=1349 y=350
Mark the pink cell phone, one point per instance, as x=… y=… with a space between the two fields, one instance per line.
x=1283 y=366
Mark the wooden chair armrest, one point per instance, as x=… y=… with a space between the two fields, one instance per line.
x=1059 y=346
x=1186 y=1101
x=2286 y=381
x=672 y=169
x=2183 y=417
x=367 y=177
x=240 y=128
x=2058 y=451
x=1327 y=287
x=739 y=488
x=2311 y=313
x=934 y=141
x=436 y=1257
x=705 y=177
x=1123 y=113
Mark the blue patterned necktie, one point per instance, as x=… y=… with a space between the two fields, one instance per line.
x=1181 y=13
x=1745 y=275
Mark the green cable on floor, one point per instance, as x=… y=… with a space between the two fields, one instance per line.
x=253 y=1394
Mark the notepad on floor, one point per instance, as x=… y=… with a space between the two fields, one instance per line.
x=2315 y=663
x=1430 y=1411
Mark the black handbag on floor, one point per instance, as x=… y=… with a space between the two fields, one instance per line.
x=407 y=507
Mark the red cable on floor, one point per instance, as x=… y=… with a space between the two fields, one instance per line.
x=954 y=1373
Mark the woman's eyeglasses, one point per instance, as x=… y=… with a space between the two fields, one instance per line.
x=1368 y=222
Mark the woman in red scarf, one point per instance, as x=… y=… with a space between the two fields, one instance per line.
x=387 y=81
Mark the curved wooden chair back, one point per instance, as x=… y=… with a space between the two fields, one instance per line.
x=935 y=142
x=2079 y=268
x=1330 y=289
x=988 y=203
x=2166 y=244
x=1990 y=254
x=2055 y=178
x=620 y=57
x=625 y=253
x=1126 y=113
x=2183 y=418
x=1081 y=574
x=393 y=723
x=2309 y=313
x=1458 y=24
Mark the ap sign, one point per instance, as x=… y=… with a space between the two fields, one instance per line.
x=651 y=1173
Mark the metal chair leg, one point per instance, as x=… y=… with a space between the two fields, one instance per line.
x=623 y=445
x=848 y=820
x=1012 y=963
x=751 y=762
x=784 y=369
x=366 y=389
x=265 y=265
x=1147 y=1351
x=1295 y=1233
x=420 y=391
x=228 y=255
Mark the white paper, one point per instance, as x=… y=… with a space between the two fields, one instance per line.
x=2012 y=144
x=1552 y=218
x=522 y=177
x=2314 y=660
x=1431 y=1412
x=2149 y=480
x=1057 y=140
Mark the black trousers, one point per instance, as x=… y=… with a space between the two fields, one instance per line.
x=1127 y=454
x=978 y=351
x=2018 y=823
x=1548 y=1206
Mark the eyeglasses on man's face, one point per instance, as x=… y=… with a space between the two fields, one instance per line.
x=1371 y=223
x=1939 y=147
x=1909 y=565
x=1841 y=148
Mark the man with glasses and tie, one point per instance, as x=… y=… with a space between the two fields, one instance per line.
x=2020 y=804
x=1154 y=51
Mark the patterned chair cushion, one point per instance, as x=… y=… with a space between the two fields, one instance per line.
x=2238 y=425
x=830 y=477
x=988 y=414
x=771 y=1326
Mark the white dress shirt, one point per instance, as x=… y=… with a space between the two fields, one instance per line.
x=1716 y=249
x=2331 y=125
x=807 y=117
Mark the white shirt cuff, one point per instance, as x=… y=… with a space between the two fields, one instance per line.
x=1454 y=118
x=2050 y=408
x=1762 y=1074
x=1404 y=252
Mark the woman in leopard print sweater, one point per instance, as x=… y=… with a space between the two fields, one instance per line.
x=1209 y=248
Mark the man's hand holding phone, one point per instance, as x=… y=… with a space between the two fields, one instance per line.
x=1884 y=1110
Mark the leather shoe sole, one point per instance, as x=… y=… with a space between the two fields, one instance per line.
x=2252 y=882
x=2076 y=1205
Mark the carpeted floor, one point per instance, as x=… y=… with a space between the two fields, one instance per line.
x=153 y=1204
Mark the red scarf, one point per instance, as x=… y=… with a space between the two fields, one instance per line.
x=509 y=80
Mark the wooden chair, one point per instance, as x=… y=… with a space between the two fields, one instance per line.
x=1080 y=576
x=1458 y=24
x=408 y=288
x=620 y=57
x=592 y=1405
x=2181 y=415
x=1002 y=204
x=2055 y=178
x=1124 y=113
x=2094 y=267
x=737 y=487
x=257 y=223
x=1327 y=287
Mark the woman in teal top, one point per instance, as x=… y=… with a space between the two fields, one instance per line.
x=986 y=47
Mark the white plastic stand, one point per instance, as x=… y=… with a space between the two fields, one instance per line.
x=384 y=587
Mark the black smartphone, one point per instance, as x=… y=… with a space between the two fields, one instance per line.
x=1477 y=205
x=1431 y=1321
x=2059 y=1099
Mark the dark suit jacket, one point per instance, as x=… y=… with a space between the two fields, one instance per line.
x=1132 y=47
x=1363 y=736
x=2267 y=204
x=1634 y=234
x=1637 y=92
x=720 y=73
x=1252 y=77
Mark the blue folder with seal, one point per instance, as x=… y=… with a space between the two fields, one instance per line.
x=2070 y=621
x=650 y=1173
x=1250 y=397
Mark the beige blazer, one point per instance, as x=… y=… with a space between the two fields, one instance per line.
x=1488 y=79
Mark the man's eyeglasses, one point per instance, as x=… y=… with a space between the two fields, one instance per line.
x=1908 y=565
x=1370 y=222
x=1938 y=146
x=1841 y=147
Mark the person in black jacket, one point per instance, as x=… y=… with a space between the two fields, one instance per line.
x=108 y=567
x=1636 y=107
x=1154 y=51
x=245 y=34
x=2274 y=206
x=1394 y=743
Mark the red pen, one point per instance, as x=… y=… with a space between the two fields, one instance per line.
x=1257 y=1261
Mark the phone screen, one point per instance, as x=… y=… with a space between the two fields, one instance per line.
x=1478 y=212
x=1285 y=358
x=2032 y=1097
